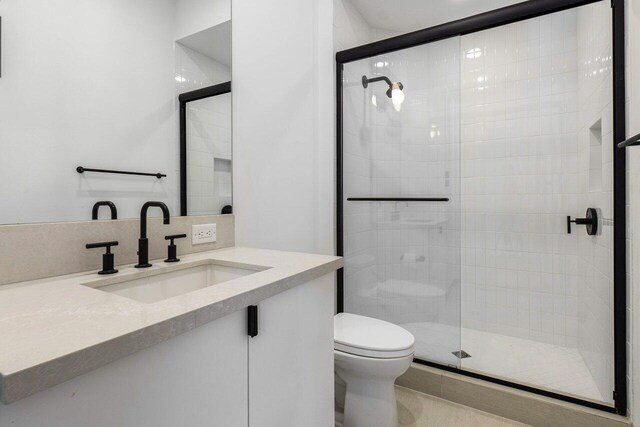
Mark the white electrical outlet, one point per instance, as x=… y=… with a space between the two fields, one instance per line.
x=203 y=233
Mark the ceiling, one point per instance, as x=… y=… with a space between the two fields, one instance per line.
x=214 y=42
x=409 y=15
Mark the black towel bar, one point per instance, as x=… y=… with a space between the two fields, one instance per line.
x=398 y=199
x=634 y=140
x=81 y=169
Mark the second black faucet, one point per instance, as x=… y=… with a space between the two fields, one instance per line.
x=143 y=241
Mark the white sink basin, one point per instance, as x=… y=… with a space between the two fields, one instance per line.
x=157 y=285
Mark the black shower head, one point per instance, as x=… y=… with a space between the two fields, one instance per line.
x=395 y=91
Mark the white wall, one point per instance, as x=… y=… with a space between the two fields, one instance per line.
x=193 y=16
x=195 y=70
x=349 y=27
x=283 y=120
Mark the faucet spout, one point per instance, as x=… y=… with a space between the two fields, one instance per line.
x=143 y=216
x=143 y=241
x=111 y=205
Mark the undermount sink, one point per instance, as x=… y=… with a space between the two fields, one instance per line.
x=156 y=285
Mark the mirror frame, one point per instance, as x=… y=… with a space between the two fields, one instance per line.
x=194 y=95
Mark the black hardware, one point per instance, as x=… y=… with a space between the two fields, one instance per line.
x=339 y=187
x=111 y=205
x=143 y=242
x=590 y=220
x=517 y=386
x=184 y=98
x=227 y=210
x=108 y=259
x=252 y=320
x=397 y=199
x=366 y=81
x=81 y=169
x=484 y=21
x=172 y=250
x=631 y=142
x=473 y=24
x=619 y=210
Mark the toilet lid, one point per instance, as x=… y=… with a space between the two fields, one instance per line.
x=365 y=336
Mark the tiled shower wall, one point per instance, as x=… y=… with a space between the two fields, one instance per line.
x=520 y=180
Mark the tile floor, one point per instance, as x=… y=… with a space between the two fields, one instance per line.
x=422 y=410
x=520 y=360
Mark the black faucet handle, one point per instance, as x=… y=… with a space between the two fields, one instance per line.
x=172 y=250
x=108 y=259
x=102 y=245
x=590 y=220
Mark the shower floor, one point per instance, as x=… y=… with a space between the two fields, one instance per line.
x=553 y=367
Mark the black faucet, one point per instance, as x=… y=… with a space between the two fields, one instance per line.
x=143 y=242
x=112 y=206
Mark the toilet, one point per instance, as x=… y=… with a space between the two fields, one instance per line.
x=369 y=355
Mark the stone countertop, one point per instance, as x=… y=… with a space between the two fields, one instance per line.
x=54 y=329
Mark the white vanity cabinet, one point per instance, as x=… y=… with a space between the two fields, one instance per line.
x=213 y=375
x=198 y=378
x=291 y=358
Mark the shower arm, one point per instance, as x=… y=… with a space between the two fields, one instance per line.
x=366 y=81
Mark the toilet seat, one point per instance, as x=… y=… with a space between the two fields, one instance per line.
x=367 y=337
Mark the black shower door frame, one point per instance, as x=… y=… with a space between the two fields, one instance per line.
x=496 y=18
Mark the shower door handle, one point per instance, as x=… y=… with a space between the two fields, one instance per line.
x=590 y=220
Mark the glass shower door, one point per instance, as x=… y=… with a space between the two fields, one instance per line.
x=537 y=147
x=401 y=206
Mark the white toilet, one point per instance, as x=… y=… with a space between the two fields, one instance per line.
x=369 y=355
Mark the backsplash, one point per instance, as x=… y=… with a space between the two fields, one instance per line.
x=34 y=251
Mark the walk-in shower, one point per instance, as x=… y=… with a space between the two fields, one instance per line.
x=486 y=216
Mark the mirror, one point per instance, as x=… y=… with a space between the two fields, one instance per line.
x=205 y=151
x=90 y=108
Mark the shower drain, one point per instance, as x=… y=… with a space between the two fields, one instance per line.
x=461 y=354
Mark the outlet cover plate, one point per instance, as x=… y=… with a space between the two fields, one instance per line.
x=203 y=233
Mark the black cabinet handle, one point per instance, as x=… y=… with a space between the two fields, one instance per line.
x=252 y=320
x=108 y=259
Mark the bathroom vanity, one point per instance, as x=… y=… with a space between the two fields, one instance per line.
x=171 y=345
x=134 y=111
